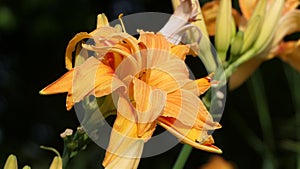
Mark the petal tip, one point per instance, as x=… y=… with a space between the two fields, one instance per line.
x=42 y=92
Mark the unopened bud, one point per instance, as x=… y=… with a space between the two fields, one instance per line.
x=267 y=30
x=237 y=44
x=223 y=28
x=26 y=167
x=102 y=20
x=56 y=163
x=11 y=162
x=251 y=32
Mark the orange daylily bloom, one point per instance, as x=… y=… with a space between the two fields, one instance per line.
x=248 y=6
x=151 y=81
x=288 y=23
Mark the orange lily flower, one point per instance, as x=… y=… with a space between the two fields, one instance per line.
x=288 y=23
x=152 y=85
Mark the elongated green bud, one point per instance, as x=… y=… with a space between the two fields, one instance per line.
x=251 y=32
x=223 y=28
x=233 y=29
x=237 y=44
x=254 y=25
x=270 y=22
x=11 y=162
x=260 y=10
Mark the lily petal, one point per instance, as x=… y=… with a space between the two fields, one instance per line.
x=292 y=54
x=180 y=51
x=288 y=24
x=199 y=86
x=188 y=109
x=72 y=45
x=156 y=41
x=81 y=81
x=190 y=136
x=125 y=146
x=124 y=149
x=149 y=105
x=168 y=76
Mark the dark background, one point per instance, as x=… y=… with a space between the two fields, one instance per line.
x=33 y=38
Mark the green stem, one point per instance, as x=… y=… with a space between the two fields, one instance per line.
x=222 y=55
x=183 y=156
x=259 y=97
x=293 y=79
x=232 y=67
x=250 y=137
x=65 y=156
x=65 y=160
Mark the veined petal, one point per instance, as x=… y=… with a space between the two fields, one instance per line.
x=156 y=41
x=100 y=32
x=197 y=138
x=92 y=77
x=188 y=109
x=180 y=51
x=71 y=47
x=125 y=148
x=199 y=86
x=149 y=104
x=168 y=77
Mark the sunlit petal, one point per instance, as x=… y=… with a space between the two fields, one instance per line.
x=169 y=76
x=190 y=136
x=199 y=86
x=125 y=148
x=188 y=109
x=81 y=81
x=72 y=45
x=156 y=41
x=180 y=51
x=149 y=104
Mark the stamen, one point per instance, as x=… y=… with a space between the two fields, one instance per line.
x=121 y=21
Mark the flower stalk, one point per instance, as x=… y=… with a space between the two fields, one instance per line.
x=183 y=156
